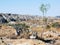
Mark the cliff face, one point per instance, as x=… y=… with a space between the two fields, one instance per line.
x=6 y=17
x=2 y=19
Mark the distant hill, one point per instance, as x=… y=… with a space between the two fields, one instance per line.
x=57 y=16
x=6 y=17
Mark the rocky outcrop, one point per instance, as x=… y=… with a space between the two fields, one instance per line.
x=49 y=35
x=21 y=42
x=2 y=19
x=15 y=17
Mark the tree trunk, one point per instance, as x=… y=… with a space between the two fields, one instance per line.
x=43 y=26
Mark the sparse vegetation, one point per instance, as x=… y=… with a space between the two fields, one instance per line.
x=22 y=26
x=56 y=25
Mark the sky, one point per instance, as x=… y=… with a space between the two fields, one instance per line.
x=29 y=7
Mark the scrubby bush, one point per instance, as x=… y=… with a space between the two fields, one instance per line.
x=21 y=28
x=56 y=25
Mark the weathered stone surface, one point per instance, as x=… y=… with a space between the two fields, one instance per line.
x=57 y=42
x=23 y=42
x=49 y=35
x=15 y=17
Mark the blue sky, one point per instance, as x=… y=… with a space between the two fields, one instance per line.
x=29 y=7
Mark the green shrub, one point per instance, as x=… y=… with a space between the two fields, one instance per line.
x=56 y=25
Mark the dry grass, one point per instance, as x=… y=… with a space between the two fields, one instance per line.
x=7 y=30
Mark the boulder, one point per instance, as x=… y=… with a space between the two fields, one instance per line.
x=50 y=35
